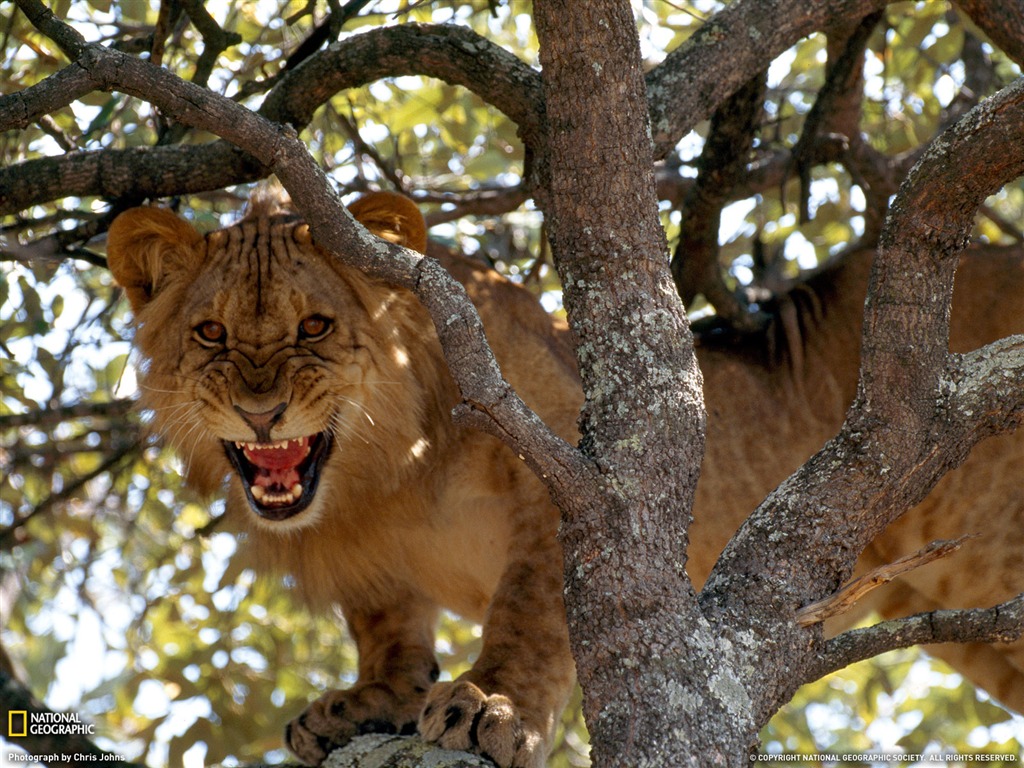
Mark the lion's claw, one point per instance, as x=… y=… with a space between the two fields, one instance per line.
x=460 y=716
x=336 y=717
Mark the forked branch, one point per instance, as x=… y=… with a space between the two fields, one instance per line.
x=451 y=53
x=722 y=164
x=919 y=410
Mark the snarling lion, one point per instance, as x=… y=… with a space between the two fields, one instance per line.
x=323 y=395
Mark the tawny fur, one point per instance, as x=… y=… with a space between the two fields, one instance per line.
x=414 y=514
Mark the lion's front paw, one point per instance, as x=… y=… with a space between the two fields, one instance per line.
x=460 y=716
x=333 y=719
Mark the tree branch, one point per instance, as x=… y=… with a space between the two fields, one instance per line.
x=928 y=226
x=22 y=108
x=48 y=417
x=728 y=51
x=980 y=77
x=134 y=174
x=1003 y=22
x=987 y=388
x=904 y=430
x=905 y=395
x=484 y=202
x=215 y=39
x=723 y=161
x=629 y=602
x=1003 y=623
x=327 y=30
x=65 y=36
x=841 y=601
x=843 y=82
x=453 y=54
x=456 y=55
x=387 y=751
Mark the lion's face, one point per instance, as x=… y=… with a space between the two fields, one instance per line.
x=266 y=357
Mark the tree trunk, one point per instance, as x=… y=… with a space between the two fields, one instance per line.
x=653 y=676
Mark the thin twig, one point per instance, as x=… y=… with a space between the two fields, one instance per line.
x=844 y=599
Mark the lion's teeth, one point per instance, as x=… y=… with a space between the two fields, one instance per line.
x=263 y=496
x=280 y=445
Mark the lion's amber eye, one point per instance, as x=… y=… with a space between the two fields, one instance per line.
x=314 y=327
x=211 y=332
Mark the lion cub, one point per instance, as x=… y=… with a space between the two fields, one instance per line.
x=322 y=394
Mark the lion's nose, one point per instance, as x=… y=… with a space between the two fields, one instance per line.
x=262 y=422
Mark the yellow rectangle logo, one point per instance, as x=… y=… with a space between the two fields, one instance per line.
x=12 y=731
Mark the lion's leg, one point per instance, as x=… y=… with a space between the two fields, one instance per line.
x=507 y=705
x=396 y=669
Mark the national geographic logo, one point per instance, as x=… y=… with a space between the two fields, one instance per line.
x=17 y=724
x=21 y=723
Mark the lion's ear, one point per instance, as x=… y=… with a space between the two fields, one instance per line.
x=144 y=245
x=393 y=217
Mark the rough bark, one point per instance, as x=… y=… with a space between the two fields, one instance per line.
x=381 y=751
x=1003 y=623
x=630 y=604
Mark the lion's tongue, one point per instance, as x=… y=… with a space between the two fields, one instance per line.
x=277 y=463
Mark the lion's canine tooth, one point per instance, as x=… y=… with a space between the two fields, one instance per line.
x=257 y=492
x=297 y=490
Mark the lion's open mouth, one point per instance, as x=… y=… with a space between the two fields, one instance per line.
x=280 y=479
